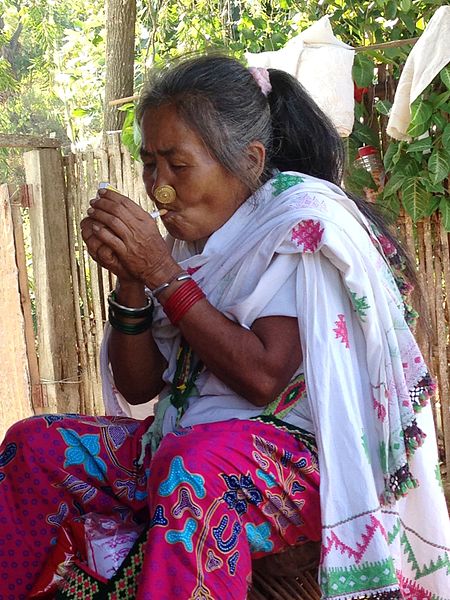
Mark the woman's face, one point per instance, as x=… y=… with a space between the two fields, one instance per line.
x=173 y=154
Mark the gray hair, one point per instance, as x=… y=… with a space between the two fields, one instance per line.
x=218 y=98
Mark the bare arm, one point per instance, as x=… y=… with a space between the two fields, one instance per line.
x=256 y=364
x=136 y=361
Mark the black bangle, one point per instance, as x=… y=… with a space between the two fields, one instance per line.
x=126 y=311
x=129 y=328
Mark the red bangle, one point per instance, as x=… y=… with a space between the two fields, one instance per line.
x=182 y=300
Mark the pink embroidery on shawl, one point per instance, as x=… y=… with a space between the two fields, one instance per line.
x=381 y=410
x=341 y=330
x=192 y=270
x=308 y=234
x=361 y=546
x=411 y=589
x=388 y=247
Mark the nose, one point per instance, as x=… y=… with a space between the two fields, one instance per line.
x=159 y=178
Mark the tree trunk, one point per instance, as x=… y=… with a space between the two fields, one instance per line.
x=120 y=24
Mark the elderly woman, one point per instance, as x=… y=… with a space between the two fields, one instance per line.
x=270 y=323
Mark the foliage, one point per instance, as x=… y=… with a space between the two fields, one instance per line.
x=51 y=60
x=52 y=72
x=419 y=168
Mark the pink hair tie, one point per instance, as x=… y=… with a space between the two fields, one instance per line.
x=261 y=76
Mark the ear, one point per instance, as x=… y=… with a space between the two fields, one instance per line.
x=256 y=156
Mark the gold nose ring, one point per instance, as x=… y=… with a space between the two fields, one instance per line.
x=165 y=194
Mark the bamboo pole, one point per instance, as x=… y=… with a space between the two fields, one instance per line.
x=442 y=363
x=441 y=256
x=431 y=283
x=71 y=202
x=37 y=391
x=14 y=375
x=115 y=160
x=86 y=317
x=57 y=341
x=104 y=175
x=128 y=179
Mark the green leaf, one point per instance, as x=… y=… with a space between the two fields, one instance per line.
x=421 y=145
x=389 y=208
x=441 y=99
x=415 y=198
x=390 y=156
x=363 y=70
x=409 y=21
x=383 y=107
x=405 y=5
x=439 y=166
x=446 y=137
x=444 y=209
x=357 y=179
x=79 y=112
x=421 y=116
x=445 y=76
x=394 y=183
x=439 y=120
x=433 y=188
x=391 y=10
x=366 y=135
x=408 y=166
x=432 y=206
x=128 y=106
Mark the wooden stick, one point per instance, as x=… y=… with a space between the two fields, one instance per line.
x=387 y=45
x=37 y=390
x=11 y=140
x=441 y=334
x=71 y=203
x=123 y=100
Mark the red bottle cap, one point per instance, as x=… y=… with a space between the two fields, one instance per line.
x=367 y=151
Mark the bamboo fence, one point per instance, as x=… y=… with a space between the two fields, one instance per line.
x=57 y=385
x=89 y=284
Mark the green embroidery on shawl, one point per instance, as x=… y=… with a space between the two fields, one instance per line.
x=441 y=562
x=295 y=392
x=383 y=457
x=394 y=533
x=359 y=304
x=283 y=182
x=350 y=580
x=365 y=445
x=437 y=473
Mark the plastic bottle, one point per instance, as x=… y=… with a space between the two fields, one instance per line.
x=369 y=159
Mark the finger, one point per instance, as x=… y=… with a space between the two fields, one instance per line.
x=106 y=256
x=111 y=221
x=86 y=228
x=108 y=237
x=118 y=205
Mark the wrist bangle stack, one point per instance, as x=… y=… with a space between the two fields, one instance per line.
x=116 y=312
x=182 y=300
x=178 y=277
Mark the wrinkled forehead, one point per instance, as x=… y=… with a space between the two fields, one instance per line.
x=165 y=132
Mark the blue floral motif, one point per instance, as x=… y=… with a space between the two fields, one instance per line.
x=84 y=450
x=242 y=491
x=259 y=537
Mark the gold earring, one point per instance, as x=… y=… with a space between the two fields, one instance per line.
x=165 y=194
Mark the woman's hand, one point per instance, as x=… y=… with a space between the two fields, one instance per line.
x=124 y=238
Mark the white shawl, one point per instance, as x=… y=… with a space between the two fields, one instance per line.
x=364 y=378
